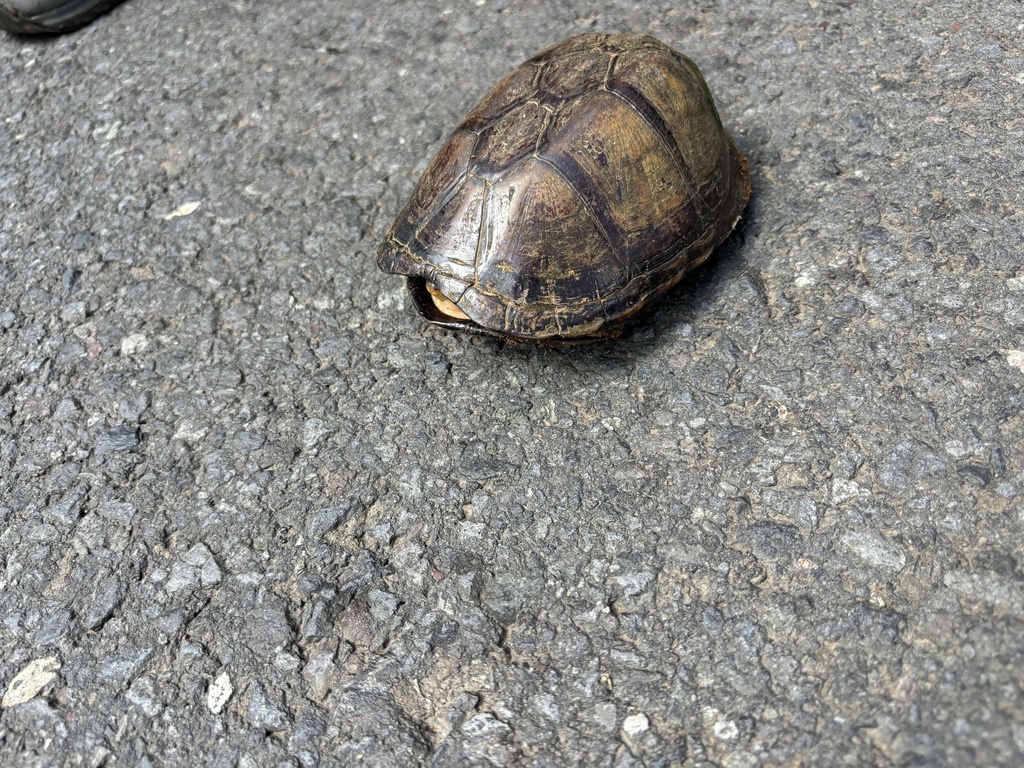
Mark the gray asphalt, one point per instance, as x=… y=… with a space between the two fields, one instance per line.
x=253 y=512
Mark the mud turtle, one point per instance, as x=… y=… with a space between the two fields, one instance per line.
x=582 y=188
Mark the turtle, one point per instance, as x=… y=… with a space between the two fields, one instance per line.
x=582 y=188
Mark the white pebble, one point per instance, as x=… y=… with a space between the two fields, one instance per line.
x=31 y=680
x=219 y=692
x=636 y=724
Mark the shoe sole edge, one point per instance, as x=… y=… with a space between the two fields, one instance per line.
x=67 y=18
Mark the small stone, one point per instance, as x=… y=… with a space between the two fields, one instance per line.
x=725 y=729
x=116 y=511
x=40 y=532
x=73 y=313
x=117 y=440
x=845 y=490
x=976 y=474
x=190 y=431
x=803 y=511
x=183 y=210
x=197 y=567
x=190 y=650
x=131 y=409
x=35 y=676
x=69 y=507
x=106 y=595
x=52 y=629
x=635 y=725
x=721 y=727
x=134 y=344
x=69 y=278
x=664 y=418
x=633 y=584
x=209 y=572
x=605 y=715
x=875 y=550
x=287 y=662
x=317 y=621
x=1015 y=357
x=62 y=478
x=142 y=694
x=121 y=668
x=382 y=533
x=66 y=408
x=314 y=433
x=741 y=759
x=326 y=520
x=485 y=727
x=436 y=364
x=218 y=693
x=82 y=240
x=262 y=713
x=382 y=604
x=546 y=704
x=1006 y=490
x=319 y=672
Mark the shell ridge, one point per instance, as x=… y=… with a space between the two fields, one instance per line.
x=389 y=249
x=542 y=134
x=478 y=129
x=647 y=112
x=616 y=245
x=674 y=256
x=538 y=73
x=480 y=234
x=612 y=58
x=484 y=115
x=440 y=204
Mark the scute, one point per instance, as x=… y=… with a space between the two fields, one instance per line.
x=580 y=189
x=529 y=215
x=571 y=75
x=623 y=172
x=442 y=178
x=450 y=236
x=508 y=139
x=513 y=90
x=678 y=97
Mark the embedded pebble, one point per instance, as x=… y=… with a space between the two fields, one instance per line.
x=1015 y=357
x=134 y=344
x=875 y=550
x=634 y=725
x=35 y=676
x=219 y=692
x=117 y=440
x=197 y=567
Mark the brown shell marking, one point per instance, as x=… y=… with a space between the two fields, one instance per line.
x=581 y=188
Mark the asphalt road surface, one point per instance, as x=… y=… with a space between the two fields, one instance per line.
x=253 y=512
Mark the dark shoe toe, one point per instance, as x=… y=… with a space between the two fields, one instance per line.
x=50 y=17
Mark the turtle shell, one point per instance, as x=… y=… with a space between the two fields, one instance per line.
x=582 y=188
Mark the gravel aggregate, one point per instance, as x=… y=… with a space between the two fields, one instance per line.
x=253 y=512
